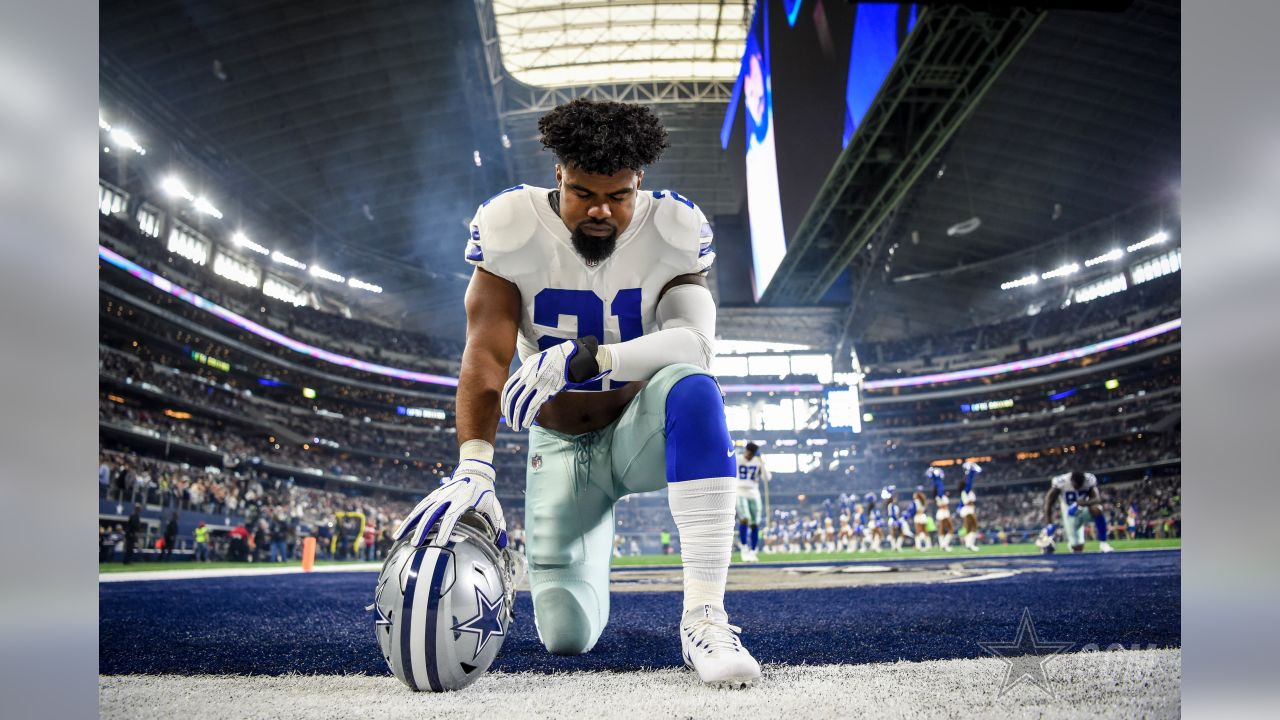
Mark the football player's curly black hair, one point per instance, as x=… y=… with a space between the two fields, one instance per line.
x=603 y=137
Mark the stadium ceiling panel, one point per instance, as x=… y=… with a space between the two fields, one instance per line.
x=548 y=43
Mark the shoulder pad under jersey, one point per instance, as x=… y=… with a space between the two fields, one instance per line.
x=684 y=227
x=503 y=225
x=1061 y=481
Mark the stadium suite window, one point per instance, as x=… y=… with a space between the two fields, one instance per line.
x=729 y=366
x=776 y=365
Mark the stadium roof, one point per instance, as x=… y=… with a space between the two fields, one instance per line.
x=558 y=43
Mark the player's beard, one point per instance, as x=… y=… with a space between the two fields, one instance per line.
x=593 y=248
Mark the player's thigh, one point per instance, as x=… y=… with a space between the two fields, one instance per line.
x=568 y=513
x=753 y=510
x=639 y=452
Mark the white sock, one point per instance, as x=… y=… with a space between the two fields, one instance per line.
x=703 y=511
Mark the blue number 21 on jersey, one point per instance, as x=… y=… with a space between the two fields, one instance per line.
x=553 y=304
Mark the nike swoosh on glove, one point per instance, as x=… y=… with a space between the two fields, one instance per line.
x=567 y=365
x=470 y=488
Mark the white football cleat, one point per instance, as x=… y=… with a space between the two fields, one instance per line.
x=1105 y=547
x=711 y=647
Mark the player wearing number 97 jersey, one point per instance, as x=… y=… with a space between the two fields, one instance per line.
x=598 y=285
x=1077 y=494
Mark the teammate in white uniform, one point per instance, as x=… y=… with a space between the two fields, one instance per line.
x=1074 y=492
x=600 y=287
x=968 y=510
x=751 y=472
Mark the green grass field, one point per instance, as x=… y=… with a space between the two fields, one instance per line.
x=958 y=552
x=657 y=560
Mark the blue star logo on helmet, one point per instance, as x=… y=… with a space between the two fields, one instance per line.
x=487 y=622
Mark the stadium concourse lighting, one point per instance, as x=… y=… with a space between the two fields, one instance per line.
x=1067 y=269
x=173 y=187
x=241 y=240
x=286 y=260
x=1023 y=281
x=362 y=285
x=1105 y=257
x=202 y=205
x=121 y=137
x=323 y=274
x=1153 y=240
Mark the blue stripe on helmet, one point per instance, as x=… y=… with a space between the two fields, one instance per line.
x=406 y=621
x=433 y=609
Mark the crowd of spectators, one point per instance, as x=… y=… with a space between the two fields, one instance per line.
x=1018 y=516
x=363 y=337
x=1148 y=304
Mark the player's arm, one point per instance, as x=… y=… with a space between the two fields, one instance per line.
x=1049 y=499
x=493 y=312
x=493 y=317
x=687 y=328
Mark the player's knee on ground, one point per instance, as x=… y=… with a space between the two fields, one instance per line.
x=567 y=618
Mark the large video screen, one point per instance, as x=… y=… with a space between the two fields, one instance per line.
x=809 y=72
x=764 y=202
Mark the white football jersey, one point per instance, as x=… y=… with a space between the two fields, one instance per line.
x=519 y=237
x=750 y=473
x=1069 y=493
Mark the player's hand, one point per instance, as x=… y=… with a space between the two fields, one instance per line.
x=1072 y=509
x=1046 y=537
x=568 y=365
x=470 y=488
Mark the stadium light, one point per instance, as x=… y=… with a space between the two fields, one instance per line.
x=202 y=205
x=286 y=260
x=1060 y=271
x=1105 y=257
x=362 y=285
x=323 y=274
x=173 y=187
x=123 y=138
x=1153 y=240
x=240 y=239
x=506 y=141
x=475 y=155
x=1023 y=281
x=102 y=123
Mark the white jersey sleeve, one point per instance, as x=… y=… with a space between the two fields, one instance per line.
x=684 y=226
x=501 y=228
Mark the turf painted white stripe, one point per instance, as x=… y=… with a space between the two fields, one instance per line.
x=989 y=576
x=247 y=571
x=1124 y=683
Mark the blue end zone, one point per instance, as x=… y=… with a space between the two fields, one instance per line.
x=317 y=623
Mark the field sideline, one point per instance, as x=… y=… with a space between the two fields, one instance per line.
x=988 y=551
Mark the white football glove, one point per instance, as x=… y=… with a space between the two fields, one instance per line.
x=469 y=488
x=568 y=365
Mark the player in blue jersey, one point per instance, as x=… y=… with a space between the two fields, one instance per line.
x=1077 y=495
x=946 y=527
x=968 y=508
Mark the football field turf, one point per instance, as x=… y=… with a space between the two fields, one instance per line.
x=302 y=646
x=638 y=560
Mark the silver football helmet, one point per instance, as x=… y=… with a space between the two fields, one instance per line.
x=444 y=607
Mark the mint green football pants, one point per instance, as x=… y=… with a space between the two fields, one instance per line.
x=571 y=484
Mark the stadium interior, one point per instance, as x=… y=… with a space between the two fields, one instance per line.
x=986 y=268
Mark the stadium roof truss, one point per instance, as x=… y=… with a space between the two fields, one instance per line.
x=558 y=43
x=679 y=58
x=946 y=65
